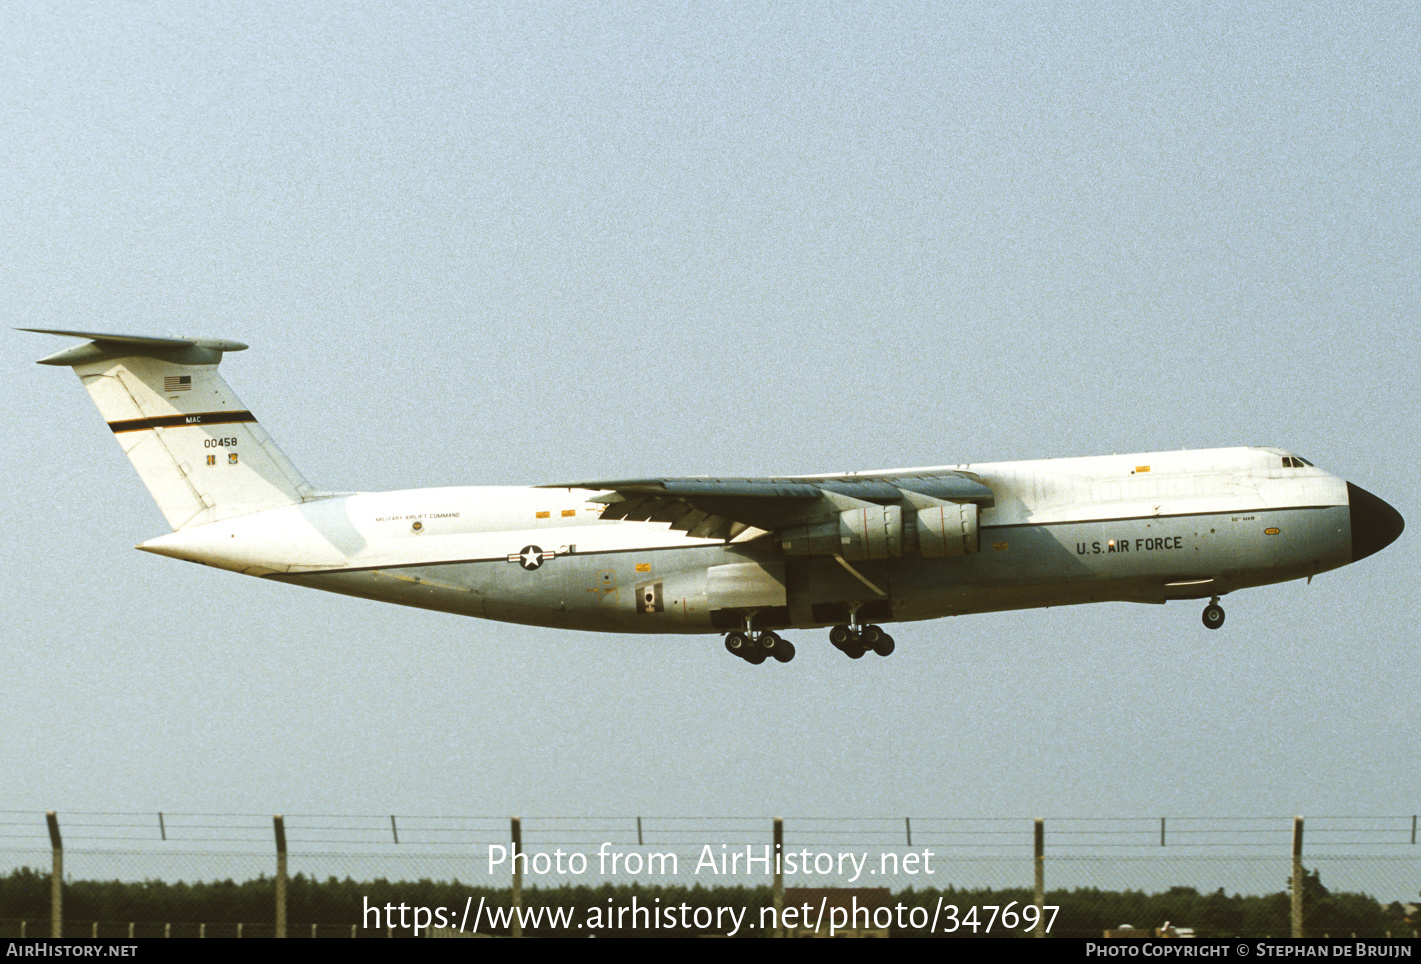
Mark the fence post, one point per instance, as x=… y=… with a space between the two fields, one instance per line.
x=56 y=880
x=1298 y=877
x=280 y=826
x=778 y=888
x=1039 y=854
x=517 y=830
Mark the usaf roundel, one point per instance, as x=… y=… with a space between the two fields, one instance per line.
x=530 y=558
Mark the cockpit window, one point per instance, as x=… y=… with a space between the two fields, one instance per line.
x=1293 y=462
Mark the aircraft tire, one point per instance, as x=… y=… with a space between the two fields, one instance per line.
x=1213 y=616
x=870 y=636
x=853 y=651
x=737 y=644
x=783 y=651
x=841 y=636
x=885 y=645
x=755 y=657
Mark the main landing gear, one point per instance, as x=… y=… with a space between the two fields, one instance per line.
x=854 y=641
x=755 y=648
x=1214 y=614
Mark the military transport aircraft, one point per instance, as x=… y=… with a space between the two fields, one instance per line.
x=744 y=558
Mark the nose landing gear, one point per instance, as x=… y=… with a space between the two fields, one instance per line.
x=1213 y=614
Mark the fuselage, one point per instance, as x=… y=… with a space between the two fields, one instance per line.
x=739 y=556
x=1141 y=528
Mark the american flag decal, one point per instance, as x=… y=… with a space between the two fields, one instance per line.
x=177 y=383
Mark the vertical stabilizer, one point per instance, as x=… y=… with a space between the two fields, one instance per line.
x=200 y=452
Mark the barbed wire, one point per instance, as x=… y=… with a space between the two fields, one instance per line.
x=97 y=830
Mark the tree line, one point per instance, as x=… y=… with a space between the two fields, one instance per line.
x=339 y=903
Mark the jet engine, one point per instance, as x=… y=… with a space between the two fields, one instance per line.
x=883 y=531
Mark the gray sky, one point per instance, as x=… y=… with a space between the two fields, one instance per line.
x=516 y=243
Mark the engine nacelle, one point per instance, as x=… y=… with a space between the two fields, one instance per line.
x=873 y=532
x=947 y=530
x=881 y=532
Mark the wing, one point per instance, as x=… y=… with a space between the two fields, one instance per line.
x=727 y=508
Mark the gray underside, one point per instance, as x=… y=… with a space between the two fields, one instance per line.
x=699 y=589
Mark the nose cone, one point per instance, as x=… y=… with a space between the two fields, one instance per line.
x=1375 y=525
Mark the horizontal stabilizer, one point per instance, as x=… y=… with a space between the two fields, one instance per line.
x=191 y=351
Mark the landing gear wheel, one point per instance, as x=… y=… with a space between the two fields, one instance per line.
x=854 y=651
x=841 y=636
x=755 y=657
x=884 y=646
x=783 y=651
x=1213 y=616
x=737 y=643
x=870 y=637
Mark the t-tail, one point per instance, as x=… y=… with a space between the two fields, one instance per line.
x=202 y=455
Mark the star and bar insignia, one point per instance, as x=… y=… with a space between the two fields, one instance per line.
x=530 y=557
